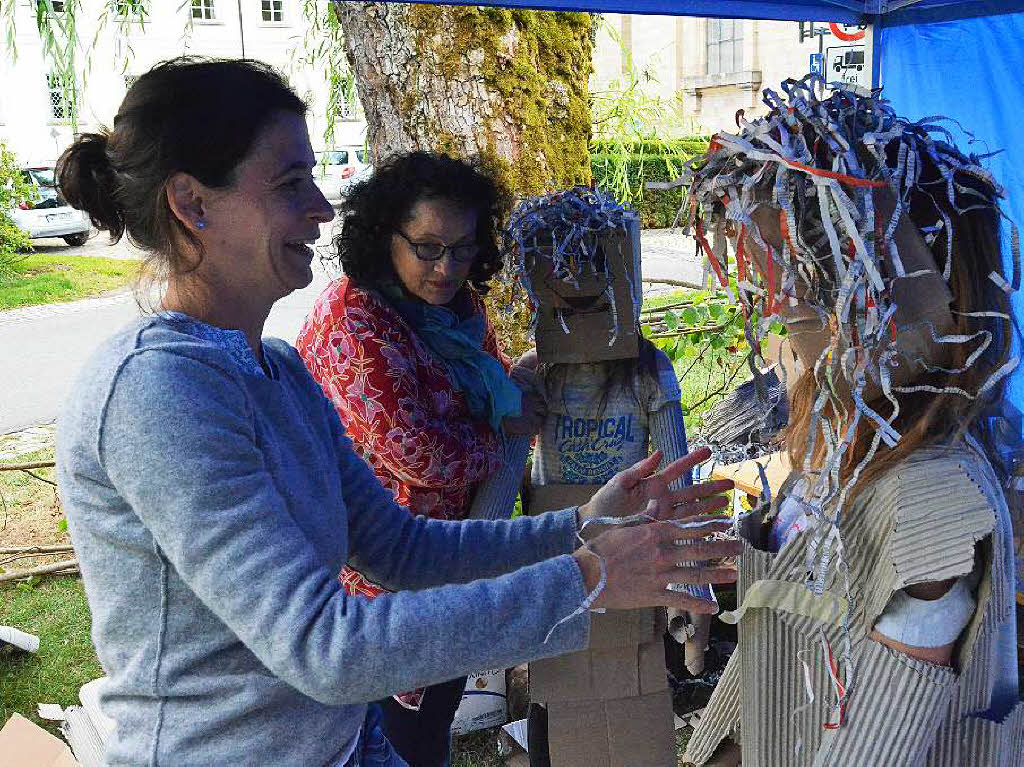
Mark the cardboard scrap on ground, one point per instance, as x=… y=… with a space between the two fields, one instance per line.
x=24 y=744
x=517 y=730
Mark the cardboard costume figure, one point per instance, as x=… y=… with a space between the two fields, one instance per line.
x=876 y=618
x=609 y=394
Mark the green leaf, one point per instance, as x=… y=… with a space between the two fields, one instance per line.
x=717 y=311
x=689 y=315
x=671 y=320
x=62 y=526
x=717 y=342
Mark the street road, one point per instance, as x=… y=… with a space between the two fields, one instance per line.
x=43 y=348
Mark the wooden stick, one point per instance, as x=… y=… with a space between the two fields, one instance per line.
x=49 y=548
x=24 y=466
x=687 y=331
x=665 y=308
x=54 y=569
x=674 y=283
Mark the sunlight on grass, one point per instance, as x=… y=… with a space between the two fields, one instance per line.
x=45 y=279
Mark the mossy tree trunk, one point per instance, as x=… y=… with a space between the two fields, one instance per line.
x=508 y=85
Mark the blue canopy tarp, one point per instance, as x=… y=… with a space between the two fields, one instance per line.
x=845 y=11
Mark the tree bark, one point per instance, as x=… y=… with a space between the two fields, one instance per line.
x=507 y=85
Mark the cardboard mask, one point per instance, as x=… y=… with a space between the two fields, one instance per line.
x=591 y=315
x=922 y=298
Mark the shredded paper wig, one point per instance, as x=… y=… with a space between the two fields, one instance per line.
x=881 y=238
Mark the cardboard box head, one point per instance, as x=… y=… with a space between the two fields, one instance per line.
x=588 y=304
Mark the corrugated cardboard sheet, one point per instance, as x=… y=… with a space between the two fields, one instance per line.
x=628 y=732
x=608 y=705
x=590 y=323
x=24 y=744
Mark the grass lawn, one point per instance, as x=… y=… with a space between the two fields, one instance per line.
x=45 y=279
x=56 y=612
x=53 y=609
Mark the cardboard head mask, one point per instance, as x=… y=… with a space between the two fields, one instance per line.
x=920 y=300
x=830 y=200
x=578 y=254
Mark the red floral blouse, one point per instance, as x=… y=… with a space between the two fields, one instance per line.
x=399 y=406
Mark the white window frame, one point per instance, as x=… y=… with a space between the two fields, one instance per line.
x=204 y=7
x=58 y=98
x=275 y=7
x=722 y=33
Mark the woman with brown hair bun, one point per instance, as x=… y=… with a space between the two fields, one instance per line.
x=876 y=616
x=213 y=497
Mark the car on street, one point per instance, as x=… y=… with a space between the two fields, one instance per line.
x=49 y=215
x=337 y=169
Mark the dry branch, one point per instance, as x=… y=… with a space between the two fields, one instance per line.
x=673 y=283
x=27 y=466
x=54 y=548
x=687 y=331
x=8 y=558
x=57 y=568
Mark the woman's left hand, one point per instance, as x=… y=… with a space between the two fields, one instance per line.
x=531 y=419
x=641 y=489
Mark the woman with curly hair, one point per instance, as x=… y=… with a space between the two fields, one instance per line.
x=403 y=347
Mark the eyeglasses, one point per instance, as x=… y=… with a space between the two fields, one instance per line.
x=434 y=251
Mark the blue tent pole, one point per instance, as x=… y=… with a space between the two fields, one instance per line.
x=876 y=52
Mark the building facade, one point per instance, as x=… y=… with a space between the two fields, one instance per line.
x=35 y=101
x=711 y=68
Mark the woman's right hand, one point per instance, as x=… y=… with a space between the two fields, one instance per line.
x=641 y=562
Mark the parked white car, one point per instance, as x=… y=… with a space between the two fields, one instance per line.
x=337 y=169
x=50 y=215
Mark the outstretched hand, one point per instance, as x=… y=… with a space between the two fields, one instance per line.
x=641 y=561
x=641 y=489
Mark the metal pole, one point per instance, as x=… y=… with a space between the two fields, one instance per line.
x=876 y=52
x=241 y=30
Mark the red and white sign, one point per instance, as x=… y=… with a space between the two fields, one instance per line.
x=848 y=33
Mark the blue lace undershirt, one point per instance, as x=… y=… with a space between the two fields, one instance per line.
x=233 y=342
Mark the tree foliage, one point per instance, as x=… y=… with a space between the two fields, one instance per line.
x=14 y=189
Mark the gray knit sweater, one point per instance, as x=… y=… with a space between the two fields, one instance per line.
x=212 y=506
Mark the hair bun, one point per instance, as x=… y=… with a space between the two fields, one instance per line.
x=87 y=181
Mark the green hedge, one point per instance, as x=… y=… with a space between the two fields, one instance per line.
x=689 y=145
x=647 y=161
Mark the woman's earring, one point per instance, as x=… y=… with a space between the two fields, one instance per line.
x=200 y=224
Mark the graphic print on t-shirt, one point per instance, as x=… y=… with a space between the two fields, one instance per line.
x=592 y=449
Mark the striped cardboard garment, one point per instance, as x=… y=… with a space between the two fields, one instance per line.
x=934 y=516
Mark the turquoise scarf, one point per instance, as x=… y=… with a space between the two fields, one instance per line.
x=458 y=344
